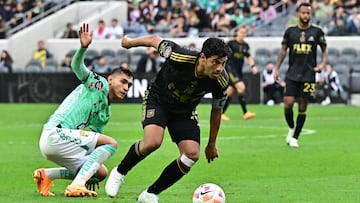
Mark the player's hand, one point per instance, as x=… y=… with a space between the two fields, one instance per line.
x=318 y=68
x=211 y=153
x=85 y=35
x=92 y=186
x=254 y=70
x=276 y=75
x=125 y=42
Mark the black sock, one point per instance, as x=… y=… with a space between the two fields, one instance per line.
x=227 y=102
x=131 y=159
x=171 y=174
x=289 y=116
x=242 y=103
x=299 y=124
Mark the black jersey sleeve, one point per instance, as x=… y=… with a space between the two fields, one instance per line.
x=175 y=53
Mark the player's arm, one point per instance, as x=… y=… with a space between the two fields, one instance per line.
x=77 y=63
x=324 y=54
x=251 y=62
x=280 y=59
x=147 y=40
x=215 y=119
x=218 y=103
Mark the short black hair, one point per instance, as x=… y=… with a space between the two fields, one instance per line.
x=305 y=4
x=123 y=70
x=215 y=46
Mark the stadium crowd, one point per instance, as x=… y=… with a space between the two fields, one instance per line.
x=193 y=18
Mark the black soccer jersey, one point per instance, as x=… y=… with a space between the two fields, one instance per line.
x=302 y=46
x=240 y=50
x=176 y=86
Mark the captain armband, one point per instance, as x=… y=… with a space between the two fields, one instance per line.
x=218 y=103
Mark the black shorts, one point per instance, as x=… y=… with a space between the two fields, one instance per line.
x=184 y=126
x=234 y=78
x=300 y=89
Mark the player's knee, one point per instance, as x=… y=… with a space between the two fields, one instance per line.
x=101 y=173
x=194 y=156
x=148 y=147
x=112 y=142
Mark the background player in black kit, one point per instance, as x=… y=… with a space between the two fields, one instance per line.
x=302 y=41
x=171 y=101
x=240 y=51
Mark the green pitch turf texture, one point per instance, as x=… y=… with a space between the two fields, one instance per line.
x=254 y=165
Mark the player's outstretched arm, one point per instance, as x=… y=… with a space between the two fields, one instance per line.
x=147 y=41
x=77 y=63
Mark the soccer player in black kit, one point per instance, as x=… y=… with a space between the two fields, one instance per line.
x=240 y=51
x=302 y=41
x=170 y=101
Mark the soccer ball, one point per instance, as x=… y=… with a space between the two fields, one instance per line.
x=209 y=193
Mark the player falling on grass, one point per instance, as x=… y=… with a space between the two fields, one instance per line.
x=302 y=41
x=240 y=50
x=170 y=102
x=63 y=141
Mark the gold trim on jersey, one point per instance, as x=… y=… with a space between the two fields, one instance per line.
x=183 y=58
x=222 y=81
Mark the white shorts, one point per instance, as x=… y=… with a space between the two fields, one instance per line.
x=67 y=147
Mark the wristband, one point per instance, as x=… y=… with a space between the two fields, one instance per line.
x=252 y=66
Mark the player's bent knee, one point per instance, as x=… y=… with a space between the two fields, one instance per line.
x=101 y=173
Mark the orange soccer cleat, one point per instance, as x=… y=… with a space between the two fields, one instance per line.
x=78 y=191
x=43 y=182
x=249 y=115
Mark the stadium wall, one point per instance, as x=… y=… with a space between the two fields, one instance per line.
x=54 y=87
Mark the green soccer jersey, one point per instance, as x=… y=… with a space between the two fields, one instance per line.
x=87 y=105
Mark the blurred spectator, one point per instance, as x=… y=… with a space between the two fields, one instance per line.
x=179 y=28
x=237 y=16
x=101 y=67
x=161 y=13
x=41 y=53
x=6 y=60
x=148 y=62
x=268 y=12
x=346 y=4
x=66 y=62
x=353 y=22
x=256 y=7
x=147 y=24
x=69 y=32
x=221 y=21
x=2 y=28
x=7 y=11
x=331 y=84
x=210 y=6
x=115 y=31
x=101 y=31
x=273 y=91
x=337 y=26
x=125 y=64
x=323 y=11
x=176 y=11
x=204 y=23
x=249 y=20
x=192 y=45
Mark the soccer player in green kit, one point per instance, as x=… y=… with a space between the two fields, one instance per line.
x=64 y=141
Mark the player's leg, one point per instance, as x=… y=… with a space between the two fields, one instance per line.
x=154 y=122
x=300 y=120
x=230 y=92
x=104 y=149
x=240 y=88
x=186 y=133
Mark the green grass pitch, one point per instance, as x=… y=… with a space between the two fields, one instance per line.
x=254 y=165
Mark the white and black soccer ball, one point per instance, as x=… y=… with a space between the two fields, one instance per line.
x=209 y=193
